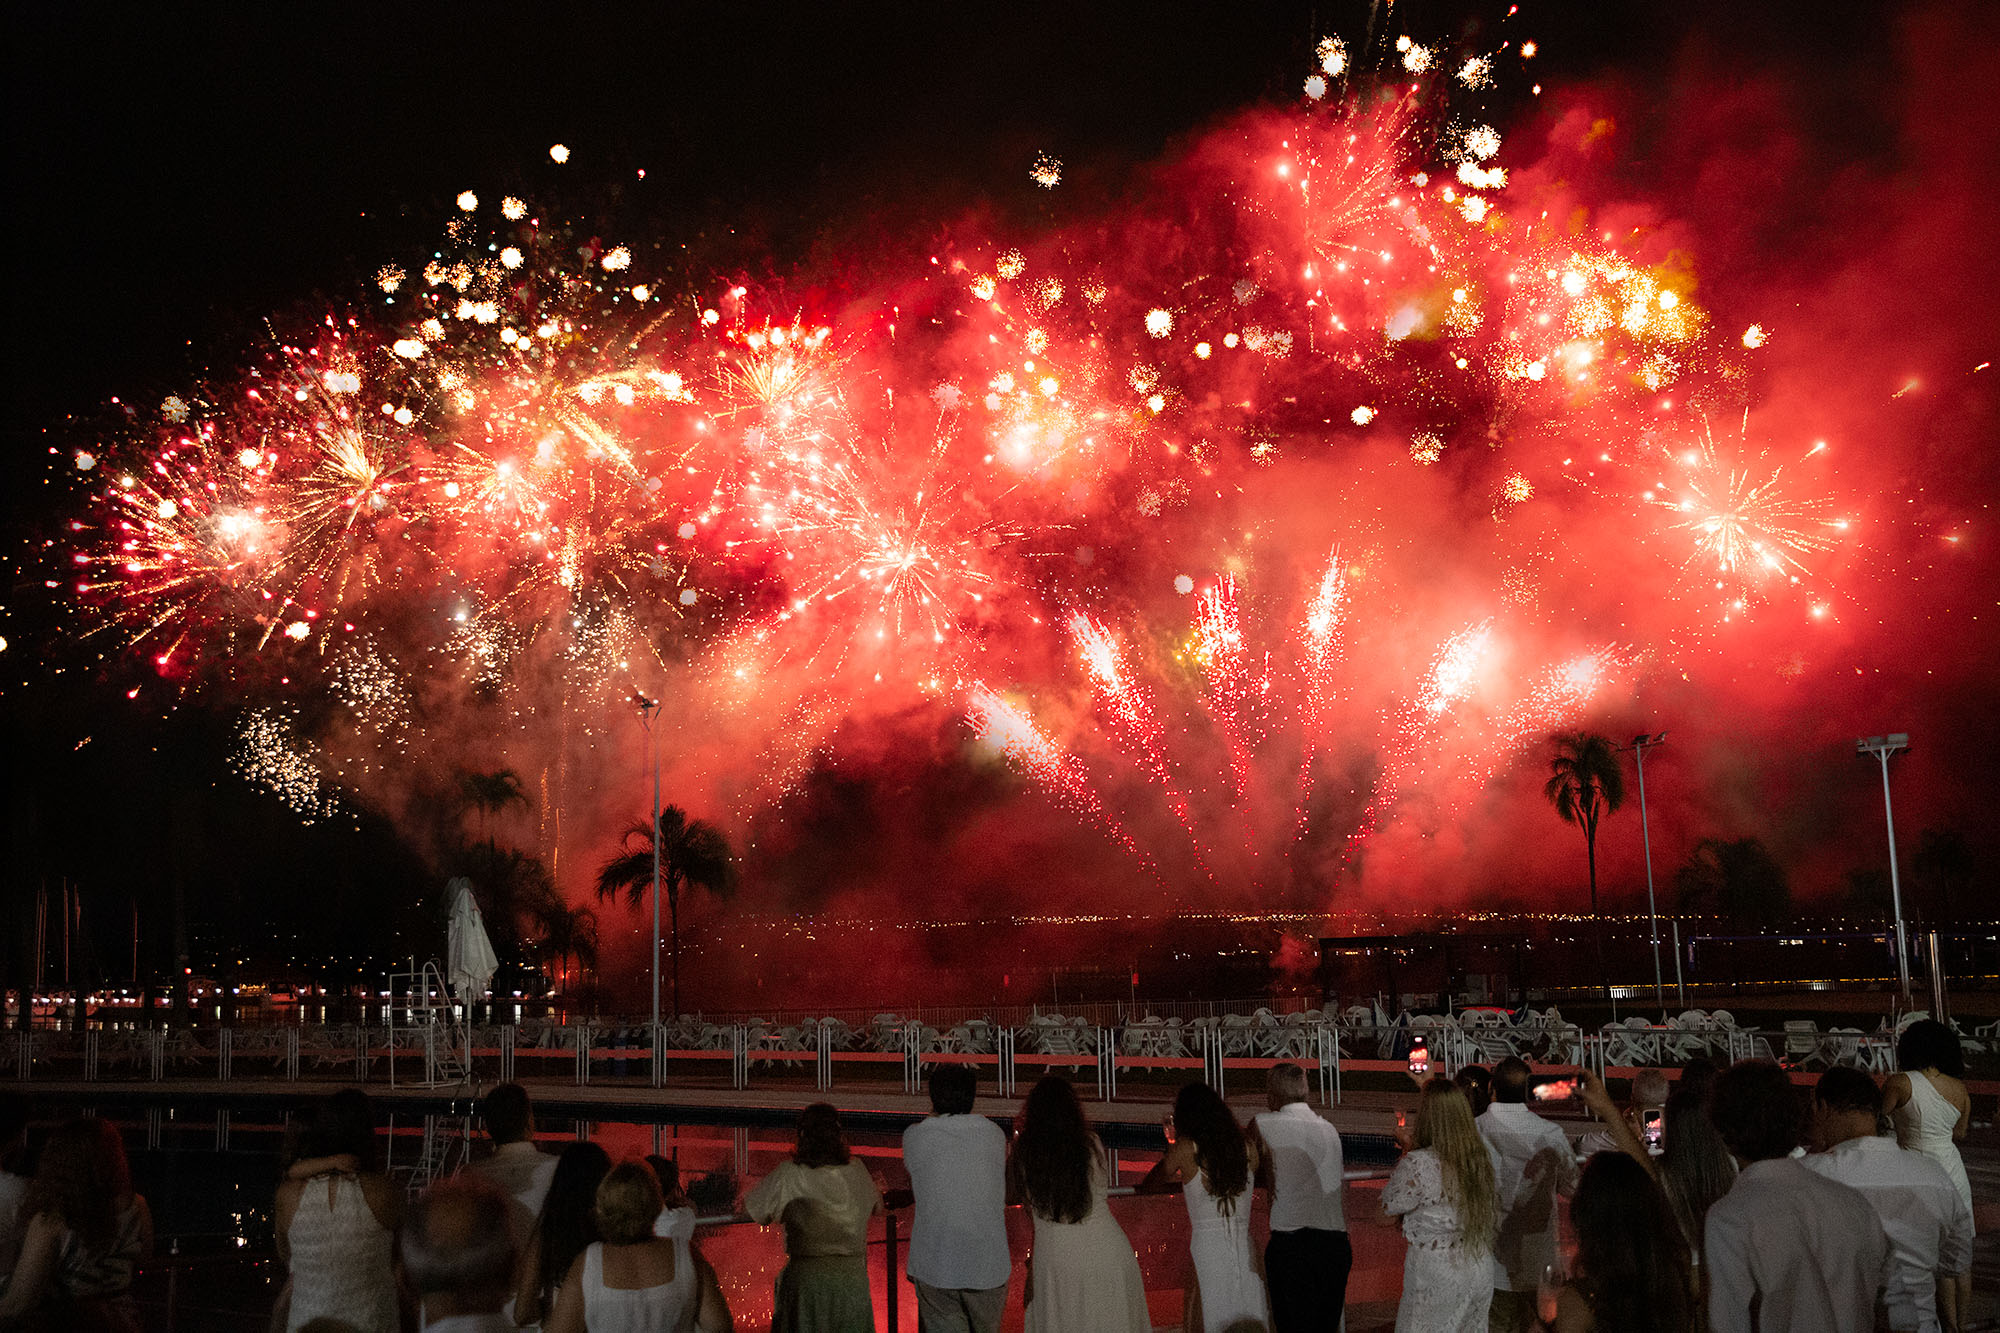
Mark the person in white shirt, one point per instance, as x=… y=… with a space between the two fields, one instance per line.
x=1309 y=1257
x=1928 y=1224
x=458 y=1262
x=958 y=1242
x=517 y=1167
x=1788 y=1250
x=1536 y=1165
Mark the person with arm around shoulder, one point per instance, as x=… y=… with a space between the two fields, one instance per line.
x=957 y=1162
x=336 y=1220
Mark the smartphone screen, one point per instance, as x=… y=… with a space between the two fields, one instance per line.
x=1653 y=1128
x=1555 y=1090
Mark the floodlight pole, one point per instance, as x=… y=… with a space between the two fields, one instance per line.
x=648 y=710
x=1882 y=747
x=1639 y=744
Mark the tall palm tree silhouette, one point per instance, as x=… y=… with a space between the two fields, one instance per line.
x=692 y=852
x=1586 y=783
x=490 y=793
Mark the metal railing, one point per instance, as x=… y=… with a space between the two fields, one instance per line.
x=834 y=1053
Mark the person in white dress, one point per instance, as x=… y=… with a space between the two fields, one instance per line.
x=1215 y=1165
x=634 y=1280
x=1931 y=1109
x=337 y=1220
x=1444 y=1193
x=1082 y=1275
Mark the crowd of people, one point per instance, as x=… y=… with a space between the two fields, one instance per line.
x=1718 y=1199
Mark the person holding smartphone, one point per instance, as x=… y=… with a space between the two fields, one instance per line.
x=1537 y=1166
x=1645 y=1113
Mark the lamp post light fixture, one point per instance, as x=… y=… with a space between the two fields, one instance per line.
x=648 y=710
x=1638 y=749
x=1882 y=747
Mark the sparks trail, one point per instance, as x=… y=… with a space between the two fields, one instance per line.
x=1010 y=731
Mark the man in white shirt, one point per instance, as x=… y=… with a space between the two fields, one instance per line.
x=1309 y=1257
x=1535 y=1166
x=1927 y=1222
x=958 y=1240
x=520 y=1170
x=1787 y=1249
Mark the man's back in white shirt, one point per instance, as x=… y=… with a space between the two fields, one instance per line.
x=958 y=1173
x=1805 y=1252
x=1307 y=1168
x=1535 y=1165
x=1928 y=1225
x=522 y=1172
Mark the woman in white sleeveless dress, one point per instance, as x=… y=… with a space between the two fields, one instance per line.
x=633 y=1280
x=1931 y=1109
x=336 y=1223
x=1215 y=1164
x=1082 y=1274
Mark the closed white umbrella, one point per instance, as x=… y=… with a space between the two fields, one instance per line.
x=469 y=959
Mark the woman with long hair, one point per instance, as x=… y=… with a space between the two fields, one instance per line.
x=336 y=1221
x=1445 y=1194
x=1694 y=1168
x=825 y=1197
x=85 y=1234
x=1633 y=1272
x=1215 y=1163
x=1082 y=1274
x=1928 y=1104
x=564 y=1229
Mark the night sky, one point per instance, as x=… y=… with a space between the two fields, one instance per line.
x=181 y=177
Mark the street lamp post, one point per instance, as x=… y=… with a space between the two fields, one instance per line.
x=1639 y=744
x=1882 y=747
x=648 y=710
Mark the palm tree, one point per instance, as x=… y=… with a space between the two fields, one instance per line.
x=491 y=793
x=1740 y=879
x=1585 y=783
x=691 y=851
x=565 y=932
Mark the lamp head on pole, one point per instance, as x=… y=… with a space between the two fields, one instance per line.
x=646 y=706
x=1882 y=746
